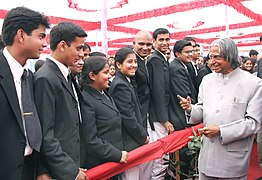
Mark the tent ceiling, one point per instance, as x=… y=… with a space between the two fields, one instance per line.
x=203 y=19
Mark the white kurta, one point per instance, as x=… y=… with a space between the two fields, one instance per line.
x=234 y=102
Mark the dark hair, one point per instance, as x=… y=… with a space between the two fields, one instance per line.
x=66 y=31
x=96 y=53
x=253 y=52
x=253 y=61
x=160 y=31
x=188 y=38
x=2 y=44
x=153 y=47
x=86 y=46
x=92 y=64
x=21 y=18
x=38 y=64
x=122 y=54
x=197 y=45
x=179 y=46
x=206 y=58
x=260 y=39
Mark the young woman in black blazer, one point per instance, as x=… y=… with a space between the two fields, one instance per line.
x=101 y=127
x=123 y=92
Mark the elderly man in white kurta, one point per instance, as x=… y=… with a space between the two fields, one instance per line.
x=229 y=105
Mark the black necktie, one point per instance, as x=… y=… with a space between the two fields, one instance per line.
x=70 y=83
x=32 y=124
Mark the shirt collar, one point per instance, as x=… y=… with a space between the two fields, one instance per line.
x=229 y=75
x=139 y=56
x=161 y=53
x=65 y=71
x=16 y=68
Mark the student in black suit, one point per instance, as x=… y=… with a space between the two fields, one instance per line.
x=142 y=48
x=125 y=97
x=57 y=100
x=23 y=33
x=181 y=84
x=192 y=65
x=159 y=95
x=207 y=69
x=101 y=127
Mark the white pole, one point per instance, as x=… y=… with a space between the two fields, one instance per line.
x=104 y=27
x=227 y=25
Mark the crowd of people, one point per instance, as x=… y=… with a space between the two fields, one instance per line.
x=81 y=108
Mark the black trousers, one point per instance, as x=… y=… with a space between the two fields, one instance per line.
x=29 y=167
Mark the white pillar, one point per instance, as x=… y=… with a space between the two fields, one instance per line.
x=104 y=27
x=226 y=20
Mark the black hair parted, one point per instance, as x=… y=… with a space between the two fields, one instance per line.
x=92 y=64
x=160 y=31
x=122 y=54
x=65 y=31
x=179 y=46
x=21 y=18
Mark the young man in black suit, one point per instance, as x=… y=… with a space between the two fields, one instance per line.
x=192 y=65
x=159 y=94
x=23 y=34
x=57 y=100
x=180 y=83
x=207 y=69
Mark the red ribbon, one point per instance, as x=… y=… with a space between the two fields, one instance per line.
x=146 y=153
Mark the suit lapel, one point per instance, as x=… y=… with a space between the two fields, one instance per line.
x=141 y=65
x=165 y=63
x=7 y=83
x=103 y=98
x=133 y=91
x=59 y=74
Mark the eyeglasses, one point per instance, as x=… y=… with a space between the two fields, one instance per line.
x=216 y=57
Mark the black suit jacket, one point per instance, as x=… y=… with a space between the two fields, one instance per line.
x=204 y=71
x=180 y=84
x=159 y=87
x=11 y=128
x=58 y=113
x=142 y=83
x=101 y=127
x=125 y=97
x=259 y=70
x=192 y=74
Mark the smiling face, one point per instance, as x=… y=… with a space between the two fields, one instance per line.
x=186 y=54
x=218 y=63
x=101 y=79
x=143 y=45
x=77 y=67
x=129 y=65
x=162 y=42
x=33 y=44
x=248 y=65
